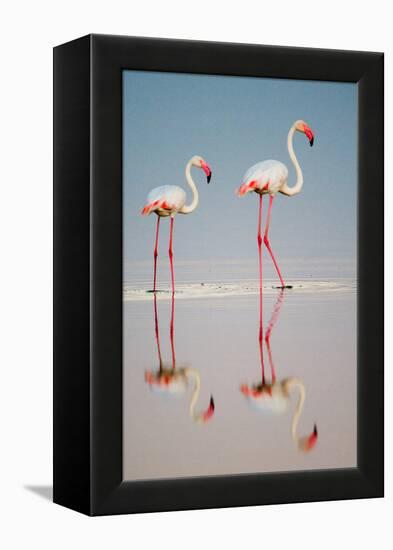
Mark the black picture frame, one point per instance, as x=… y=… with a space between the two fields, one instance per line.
x=88 y=274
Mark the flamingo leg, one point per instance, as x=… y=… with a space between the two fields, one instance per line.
x=267 y=243
x=172 y=331
x=272 y=322
x=156 y=254
x=170 y=252
x=157 y=332
x=259 y=240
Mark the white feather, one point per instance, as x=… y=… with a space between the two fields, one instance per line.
x=272 y=172
x=172 y=194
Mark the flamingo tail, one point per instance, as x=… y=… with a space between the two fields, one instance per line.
x=148 y=208
x=246 y=187
x=151 y=207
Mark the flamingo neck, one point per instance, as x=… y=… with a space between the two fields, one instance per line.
x=290 y=191
x=187 y=209
x=291 y=384
x=195 y=394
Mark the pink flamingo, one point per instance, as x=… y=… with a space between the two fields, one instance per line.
x=270 y=177
x=176 y=383
x=173 y=381
x=274 y=397
x=169 y=200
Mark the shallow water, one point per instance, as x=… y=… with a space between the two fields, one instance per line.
x=313 y=338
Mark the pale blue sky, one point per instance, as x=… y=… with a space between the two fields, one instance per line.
x=234 y=122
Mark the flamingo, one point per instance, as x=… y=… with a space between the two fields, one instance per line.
x=274 y=397
x=169 y=200
x=173 y=381
x=176 y=382
x=268 y=178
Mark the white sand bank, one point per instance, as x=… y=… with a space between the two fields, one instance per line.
x=140 y=292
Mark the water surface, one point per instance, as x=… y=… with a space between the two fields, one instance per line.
x=313 y=339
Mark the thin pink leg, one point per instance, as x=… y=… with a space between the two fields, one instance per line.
x=267 y=243
x=157 y=331
x=156 y=254
x=259 y=239
x=272 y=322
x=172 y=331
x=170 y=251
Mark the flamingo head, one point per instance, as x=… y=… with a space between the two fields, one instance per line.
x=304 y=128
x=307 y=443
x=206 y=415
x=200 y=163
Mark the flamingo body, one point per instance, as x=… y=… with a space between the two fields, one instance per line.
x=166 y=200
x=267 y=398
x=168 y=382
x=265 y=177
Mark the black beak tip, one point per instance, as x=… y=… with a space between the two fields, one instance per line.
x=209 y=177
x=312 y=141
x=211 y=404
x=315 y=432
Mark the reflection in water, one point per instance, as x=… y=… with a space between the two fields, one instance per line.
x=175 y=381
x=274 y=397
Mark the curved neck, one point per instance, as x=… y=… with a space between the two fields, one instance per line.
x=299 y=176
x=195 y=394
x=195 y=197
x=290 y=384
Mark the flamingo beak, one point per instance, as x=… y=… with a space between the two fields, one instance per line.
x=208 y=414
x=311 y=440
x=310 y=134
x=206 y=168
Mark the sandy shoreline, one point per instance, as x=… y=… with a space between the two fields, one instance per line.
x=142 y=291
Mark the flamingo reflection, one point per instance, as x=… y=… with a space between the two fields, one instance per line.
x=170 y=380
x=274 y=397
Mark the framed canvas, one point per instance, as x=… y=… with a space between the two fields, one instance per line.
x=218 y=315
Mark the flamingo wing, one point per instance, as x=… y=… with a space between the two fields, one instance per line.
x=170 y=198
x=168 y=382
x=268 y=399
x=267 y=176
